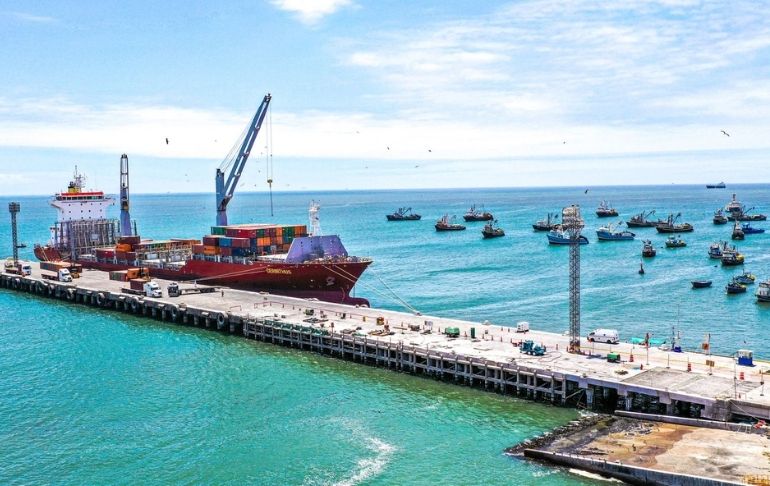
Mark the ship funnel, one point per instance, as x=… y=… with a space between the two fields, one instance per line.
x=125 y=216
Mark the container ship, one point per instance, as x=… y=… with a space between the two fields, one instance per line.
x=281 y=259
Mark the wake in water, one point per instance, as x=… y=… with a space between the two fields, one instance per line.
x=371 y=466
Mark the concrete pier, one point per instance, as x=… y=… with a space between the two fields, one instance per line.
x=647 y=380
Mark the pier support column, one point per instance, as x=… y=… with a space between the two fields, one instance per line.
x=628 y=402
x=590 y=398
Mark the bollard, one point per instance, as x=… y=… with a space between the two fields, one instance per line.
x=741 y=376
x=631 y=358
x=689 y=367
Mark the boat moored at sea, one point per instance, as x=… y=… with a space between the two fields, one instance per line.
x=548 y=223
x=642 y=220
x=734 y=287
x=750 y=230
x=558 y=236
x=670 y=225
x=738 y=233
x=745 y=278
x=403 y=214
x=445 y=223
x=732 y=257
x=701 y=284
x=475 y=214
x=675 y=242
x=719 y=185
x=716 y=249
x=610 y=233
x=492 y=230
x=763 y=291
x=719 y=217
x=648 y=250
x=605 y=210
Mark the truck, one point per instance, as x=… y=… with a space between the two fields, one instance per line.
x=23 y=268
x=74 y=269
x=148 y=288
x=174 y=290
x=61 y=275
x=609 y=336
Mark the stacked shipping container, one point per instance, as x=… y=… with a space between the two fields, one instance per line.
x=247 y=240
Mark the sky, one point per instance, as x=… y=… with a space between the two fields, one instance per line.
x=385 y=94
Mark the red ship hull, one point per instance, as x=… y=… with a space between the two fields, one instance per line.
x=329 y=281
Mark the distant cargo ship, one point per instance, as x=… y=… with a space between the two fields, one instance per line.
x=282 y=259
x=720 y=185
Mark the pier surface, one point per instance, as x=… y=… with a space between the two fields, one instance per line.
x=647 y=379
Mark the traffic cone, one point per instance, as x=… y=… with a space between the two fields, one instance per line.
x=631 y=358
x=689 y=367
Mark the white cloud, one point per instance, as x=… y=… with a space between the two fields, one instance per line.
x=32 y=18
x=310 y=12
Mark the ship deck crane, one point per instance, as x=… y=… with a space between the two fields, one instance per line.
x=226 y=188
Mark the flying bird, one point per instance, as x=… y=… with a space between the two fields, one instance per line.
x=586 y=192
x=166 y=140
x=727 y=134
x=429 y=150
x=387 y=148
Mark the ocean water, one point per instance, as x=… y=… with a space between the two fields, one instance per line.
x=97 y=397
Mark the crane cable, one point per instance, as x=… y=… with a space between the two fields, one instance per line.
x=269 y=157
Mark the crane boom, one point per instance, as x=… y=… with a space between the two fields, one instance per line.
x=226 y=189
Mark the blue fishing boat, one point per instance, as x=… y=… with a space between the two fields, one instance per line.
x=716 y=249
x=559 y=237
x=609 y=233
x=750 y=230
x=746 y=278
x=735 y=287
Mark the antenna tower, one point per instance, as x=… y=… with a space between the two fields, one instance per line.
x=573 y=223
x=14 y=209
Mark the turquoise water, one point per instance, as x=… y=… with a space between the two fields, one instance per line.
x=97 y=397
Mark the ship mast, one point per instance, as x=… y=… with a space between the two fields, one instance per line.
x=315 y=222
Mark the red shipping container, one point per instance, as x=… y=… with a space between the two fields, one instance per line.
x=226 y=251
x=137 y=283
x=197 y=249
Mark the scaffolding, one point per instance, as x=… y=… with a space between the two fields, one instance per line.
x=573 y=223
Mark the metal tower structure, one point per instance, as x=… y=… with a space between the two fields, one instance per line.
x=235 y=163
x=125 y=216
x=14 y=209
x=315 y=222
x=573 y=224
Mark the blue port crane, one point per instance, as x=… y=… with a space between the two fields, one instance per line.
x=125 y=216
x=235 y=165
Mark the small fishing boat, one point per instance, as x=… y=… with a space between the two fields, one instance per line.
x=605 y=210
x=738 y=233
x=745 y=278
x=701 y=284
x=716 y=249
x=733 y=287
x=675 y=242
x=719 y=217
x=403 y=214
x=492 y=230
x=750 y=230
x=763 y=291
x=642 y=220
x=609 y=233
x=670 y=225
x=648 y=251
x=474 y=214
x=560 y=237
x=719 y=185
x=731 y=257
x=448 y=224
x=547 y=224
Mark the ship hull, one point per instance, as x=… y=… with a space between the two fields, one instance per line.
x=328 y=281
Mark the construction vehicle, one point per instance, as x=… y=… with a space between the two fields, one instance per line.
x=529 y=347
x=60 y=275
x=148 y=288
x=174 y=290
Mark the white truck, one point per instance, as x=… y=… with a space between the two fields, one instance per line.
x=61 y=275
x=24 y=269
x=148 y=288
x=609 y=336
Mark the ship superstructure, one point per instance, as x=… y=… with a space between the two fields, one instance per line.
x=81 y=223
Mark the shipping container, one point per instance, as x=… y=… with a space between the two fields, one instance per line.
x=137 y=283
x=225 y=251
x=129 y=240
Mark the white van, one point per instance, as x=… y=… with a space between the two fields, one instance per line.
x=522 y=326
x=609 y=336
